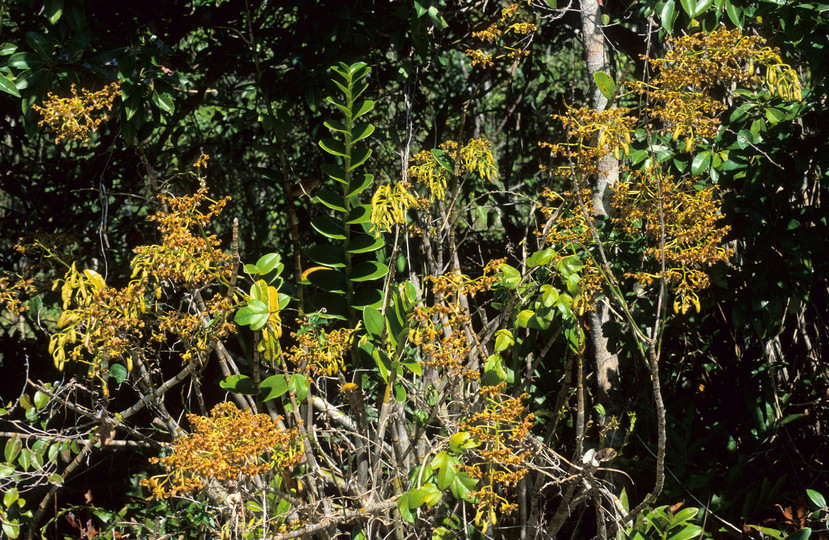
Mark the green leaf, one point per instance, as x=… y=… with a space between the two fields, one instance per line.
x=164 y=102
x=11 y=528
x=24 y=60
x=463 y=486
x=365 y=243
x=540 y=258
x=503 y=340
x=684 y=515
x=403 y=507
x=690 y=7
x=13 y=447
x=447 y=470
x=54 y=10
x=334 y=171
x=816 y=498
x=359 y=155
x=267 y=263
x=802 y=534
x=668 y=16
x=327 y=255
x=735 y=13
x=25 y=458
x=329 y=227
x=118 y=372
x=274 y=387
x=332 y=200
x=255 y=314
x=510 y=277
x=443 y=159
x=361 y=131
x=361 y=108
x=604 y=83
x=359 y=182
x=7 y=49
x=701 y=8
x=775 y=115
x=368 y=270
x=8 y=86
x=328 y=280
x=701 y=162
x=687 y=532
x=53 y=452
x=333 y=147
x=374 y=321
x=359 y=214
x=239 y=384
x=427 y=494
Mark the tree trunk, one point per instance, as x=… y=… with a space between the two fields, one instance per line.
x=608 y=391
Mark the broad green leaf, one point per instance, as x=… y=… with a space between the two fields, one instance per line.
x=463 y=486
x=701 y=7
x=359 y=182
x=40 y=400
x=53 y=452
x=329 y=227
x=118 y=373
x=332 y=200
x=365 y=243
x=362 y=107
x=40 y=44
x=7 y=49
x=336 y=125
x=443 y=159
x=374 y=321
x=735 y=13
x=604 y=83
x=273 y=387
x=685 y=514
x=327 y=255
x=816 y=498
x=510 y=276
x=427 y=494
x=687 y=532
x=328 y=280
x=267 y=263
x=403 y=508
x=239 y=384
x=690 y=7
x=255 y=314
x=24 y=60
x=462 y=440
x=668 y=16
x=361 y=131
x=359 y=155
x=164 y=102
x=359 y=214
x=503 y=340
x=11 y=528
x=333 y=147
x=802 y=534
x=368 y=270
x=334 y=171
x=446 y=469
x=25 y=458
x=13 y=447
x=298 y=384
x=6 y=85
x=701 y=162
x=540 y=258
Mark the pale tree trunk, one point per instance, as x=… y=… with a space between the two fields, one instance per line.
x=608 y=391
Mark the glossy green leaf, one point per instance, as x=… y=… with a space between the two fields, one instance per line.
x=510 y=276
x=267 y=263
x=359 y=182
x=118 y=373
x=329 y=227
x=403 y=508
x=427 y=494
x=332 y=200
x=362 y=107
x=273 y=387
x=41 y=45
x=361 y=131
x=668 y=16
x=685 y=514
x=25 y=458
x=802 y=534
x=368 y=270
x=11 y=528
x=298 y=384
x=604 y=83
x=255 y=314
x=462 y=440
x=336 y=125
x=735 y=14
x=327 y=255
x=446 y=466
x=701 y=162
x=690 y=7
x=444 y=160
x=163 y=101
x=53 y=452
x=816 y=498
x=540 y=258
x=8 y=86
x=359 y=214
x=24 y=60
x=463 y=486
x=359 y=155
x=7 y=49
x=701 y=7
x=333 y=147
x=328 y=280
x=365 y=243
x=239 y=384
x=374 y=321
x=334 y=171
x=503 y=340
x=13 y=447
x=687 y=533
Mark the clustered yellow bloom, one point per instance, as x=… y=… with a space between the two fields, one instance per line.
x=509 y=34
x=693 y=238
x=390 y=204
x=229 y=446
x=498 y=460
x=321 y=352
x=73 y=118
x=684 y=89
